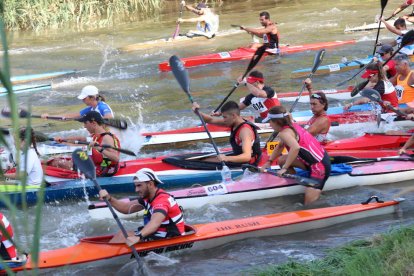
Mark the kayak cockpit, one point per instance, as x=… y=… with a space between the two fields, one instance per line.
x=112 y=239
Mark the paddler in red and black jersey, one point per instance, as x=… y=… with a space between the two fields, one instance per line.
x=261 y=97
x=8 y=250
x=269 y=33
x=244 y=139
x=163 y=216
x=105 y=159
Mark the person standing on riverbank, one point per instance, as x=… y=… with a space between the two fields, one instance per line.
x=269 y=33
x=94 y=101
x=207 y=21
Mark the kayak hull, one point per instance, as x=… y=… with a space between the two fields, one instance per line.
x=210 y=235
x=247 y=53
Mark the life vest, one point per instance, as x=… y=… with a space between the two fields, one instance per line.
x=7 y=250
x=235 y=142
x=404 y=91
x=104 y=166
x=321 y=137
x=311 y=151
x=173 y=225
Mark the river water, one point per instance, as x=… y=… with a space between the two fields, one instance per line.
x=153 y=101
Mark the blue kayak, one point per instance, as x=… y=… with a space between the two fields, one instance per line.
x=25 y=88
x=42 y=76
x=333 y=68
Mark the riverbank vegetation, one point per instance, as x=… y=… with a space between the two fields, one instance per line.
x=80 y=14
x=387 y=254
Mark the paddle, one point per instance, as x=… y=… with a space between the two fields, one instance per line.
x=383 y=4
x=113 y=122
x=316 y=62
x=177 y=29
x=373 y=95
x=181 y=75
x=306 y=181
x=392 y=15
x=358 y=88
x=86 y=166
x=355 y=160
x=356 y=74
x=407 y=39
x=235 y=25
x=253 y=62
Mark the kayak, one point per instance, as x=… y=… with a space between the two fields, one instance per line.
x=336 y=67
x=210 y=235
x=23 y=88
x=264 y=186
x=165 y=42
x=372 y=26
x=247 y=53
x=43 y=76
x=370 y=141
x=337 y=94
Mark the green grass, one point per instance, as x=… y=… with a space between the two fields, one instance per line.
x=43 y=14
x=387 y=254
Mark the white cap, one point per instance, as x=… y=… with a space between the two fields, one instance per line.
x=274 y=116
x=146 y=174
x=89 y=90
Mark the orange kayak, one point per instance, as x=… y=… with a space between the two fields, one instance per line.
x=205 y=236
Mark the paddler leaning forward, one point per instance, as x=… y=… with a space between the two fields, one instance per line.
x=207 y=21
x=105 y=159
x=163 y=216
x=304 y=151
x=269 y=33
x=244 y=140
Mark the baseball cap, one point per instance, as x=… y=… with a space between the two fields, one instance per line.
x=368 y=73
x=274 y=116
x=92 y=116
x=201 y=6
x=146 y=174
x=89 y=90
x=385 y=49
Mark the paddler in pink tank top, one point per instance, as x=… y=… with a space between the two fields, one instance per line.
x=304 y=151
x=319 y=124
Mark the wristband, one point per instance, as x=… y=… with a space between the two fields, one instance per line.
x=141 y=237
x=101 y=150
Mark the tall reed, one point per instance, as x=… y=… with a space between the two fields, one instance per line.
x=23 y=223
x=41 y=14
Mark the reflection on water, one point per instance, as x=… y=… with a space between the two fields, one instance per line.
x=153 y=101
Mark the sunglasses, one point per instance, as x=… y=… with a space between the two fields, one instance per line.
x=316 y=96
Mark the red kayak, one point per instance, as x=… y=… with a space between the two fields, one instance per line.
x=370 y=141
x=247 y=53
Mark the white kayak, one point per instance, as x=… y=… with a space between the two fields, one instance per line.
x=263 y=186
x=372 y=26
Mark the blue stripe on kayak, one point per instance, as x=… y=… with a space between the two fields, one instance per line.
x=25 y=88
x=363 y=61
x=43 y=75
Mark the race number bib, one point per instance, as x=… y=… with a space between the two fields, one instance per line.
x=334 y=67
x=216 y=189
x=270 y=147
x=258 y=104
x=399 y=90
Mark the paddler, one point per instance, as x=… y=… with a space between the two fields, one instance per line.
x=8 y=249
x=403 y=6
x=404 y=79
x=105 y=159
x=163 y=217
x=269 y=33
x=244 y=139
x=319 y=124
x=304 y=151
x=378 y=81
x=94 y=101
x=400 y=29
x=207 y=21
x=29 y=161
x=386 y=51
x=261 y=97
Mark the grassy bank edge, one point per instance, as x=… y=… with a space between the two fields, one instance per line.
x=391 y=253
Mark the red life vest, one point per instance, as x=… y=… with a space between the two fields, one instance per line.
x=104 y=166
x=8 y=250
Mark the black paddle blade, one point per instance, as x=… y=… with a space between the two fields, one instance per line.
x=41 y=137
x=358 y=88
x=235 y=26
x=371 y=94
x=116 y=123
x=250 y=168
x=6 y=112
x=318 y=60
x=255 y=59
x=84 y=163
x=408 y=38
x=181 y=75
x=383 y=4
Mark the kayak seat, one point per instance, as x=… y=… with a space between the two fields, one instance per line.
x=190 y=161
